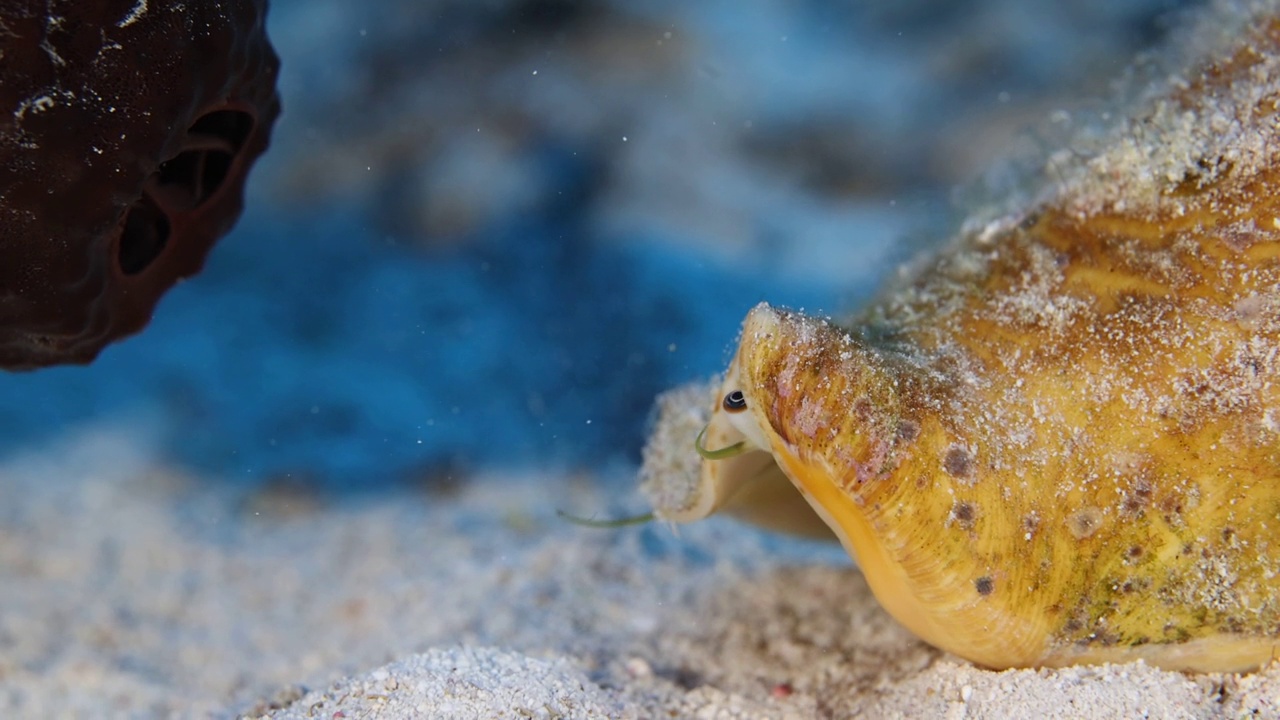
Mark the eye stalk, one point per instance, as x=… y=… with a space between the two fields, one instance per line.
x=723 y=453
x=734 y=402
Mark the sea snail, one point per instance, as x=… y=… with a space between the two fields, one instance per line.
x=1059 y=442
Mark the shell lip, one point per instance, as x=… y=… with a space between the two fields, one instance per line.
x=740 y=475
x=774 y=344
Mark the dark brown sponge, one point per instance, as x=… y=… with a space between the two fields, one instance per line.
x=127 y=129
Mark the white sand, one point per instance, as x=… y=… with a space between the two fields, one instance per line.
x=131 y=591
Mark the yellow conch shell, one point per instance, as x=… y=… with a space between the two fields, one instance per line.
x=1060 y=443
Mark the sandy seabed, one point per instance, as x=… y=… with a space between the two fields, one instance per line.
x=132 y=590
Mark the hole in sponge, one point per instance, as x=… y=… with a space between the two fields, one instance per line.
x=145 y=234
x=197 y=173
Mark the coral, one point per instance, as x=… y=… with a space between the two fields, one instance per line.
x=129 y=128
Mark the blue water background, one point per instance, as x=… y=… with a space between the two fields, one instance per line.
x=333 y=338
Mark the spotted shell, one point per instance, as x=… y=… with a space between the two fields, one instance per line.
x=1060 y=442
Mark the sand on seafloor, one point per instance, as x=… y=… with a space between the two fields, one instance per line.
x=131 y=590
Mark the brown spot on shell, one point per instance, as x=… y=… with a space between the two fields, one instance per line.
x=1136 y=499
x=1084 y=522
x=958 y=462
x=1171 y=508
x=864 y=410
x=984 y=585
x=1030 y=523
x=963 y=514
x=908 y=431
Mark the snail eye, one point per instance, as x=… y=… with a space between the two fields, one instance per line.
x=735 y=402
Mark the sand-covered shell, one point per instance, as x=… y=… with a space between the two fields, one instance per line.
x=1059 y=442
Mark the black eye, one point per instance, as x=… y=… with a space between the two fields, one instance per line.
x=735 y=402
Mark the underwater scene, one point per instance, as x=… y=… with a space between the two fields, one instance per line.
x=368 y=360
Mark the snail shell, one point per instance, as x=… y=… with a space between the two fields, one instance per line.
x=1060 y=443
